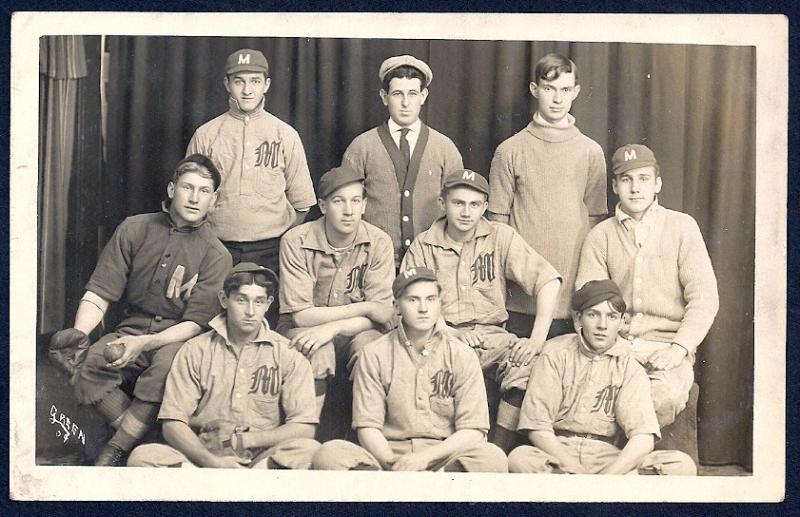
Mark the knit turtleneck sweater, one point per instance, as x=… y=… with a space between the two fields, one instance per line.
x=549 y=180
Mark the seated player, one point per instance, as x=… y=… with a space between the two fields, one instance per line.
x=168 y=268
x=419 y=402
x=338 y=273
x=227 y=389
x=474 y=258
x=586 y=388
x=659 y=260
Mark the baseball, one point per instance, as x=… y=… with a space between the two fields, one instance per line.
x=113 y=352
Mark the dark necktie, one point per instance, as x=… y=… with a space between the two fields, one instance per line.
x=405 y=149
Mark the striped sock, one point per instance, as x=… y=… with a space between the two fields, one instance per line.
x=113 y=406
x=138 y=419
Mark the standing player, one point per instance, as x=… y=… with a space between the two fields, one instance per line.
x=549 y=183
x=659 y=259
x=419 y=402
x=474 y=259
x=168 y=268
x=340 y=270
x=588 y=387
x=403 y=160
x=237 y=395
x=266 y=186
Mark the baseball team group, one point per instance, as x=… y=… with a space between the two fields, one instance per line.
x=422 y=281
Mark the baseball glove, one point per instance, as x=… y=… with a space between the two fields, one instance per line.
x=218 y=436
x=68 y=349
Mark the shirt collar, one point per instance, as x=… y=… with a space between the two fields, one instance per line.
x=620 y=347
x=436 y=236
x=624 y=217
x=439 y=332
x=220 y=324
x=395 y=127
x=236 y=112
x=317 y=240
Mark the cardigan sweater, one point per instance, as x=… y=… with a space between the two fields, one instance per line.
x=668 y=284
x=402 y=212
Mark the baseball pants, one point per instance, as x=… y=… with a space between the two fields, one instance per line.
x=147 y=373
x=344 y=455
x=669 y=389
x=323 y=359
x=498 y=343
x=292 y=454
x=594 y=456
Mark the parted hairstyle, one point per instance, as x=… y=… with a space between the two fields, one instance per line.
x=551 y=66
x=237 y=280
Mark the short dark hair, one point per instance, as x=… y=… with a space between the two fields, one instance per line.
x=403 y=71
x=551 y=66
x=237 y=280
x=616 y=302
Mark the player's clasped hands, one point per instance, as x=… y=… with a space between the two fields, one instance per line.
x=411 y=462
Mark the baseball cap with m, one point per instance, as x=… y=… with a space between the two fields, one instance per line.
x=632 y=156
x=465 y=178
x=246 y=60
x=408 y=276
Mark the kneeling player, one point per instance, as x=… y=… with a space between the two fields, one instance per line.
x=419 y=402
x=586 y=388
x=228 y=387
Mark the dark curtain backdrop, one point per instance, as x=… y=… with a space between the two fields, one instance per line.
x=693 y=105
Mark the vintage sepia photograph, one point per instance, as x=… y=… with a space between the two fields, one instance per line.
x=452 y=257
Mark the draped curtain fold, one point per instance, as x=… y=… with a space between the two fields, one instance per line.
x=62 y=64
x=684 y=101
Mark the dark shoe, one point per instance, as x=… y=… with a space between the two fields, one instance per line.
x=111 y=456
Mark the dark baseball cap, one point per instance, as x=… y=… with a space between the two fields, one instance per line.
x=204 y=161
x=336 y=178
x=409 y=276
x=246 y=60
x=466 y=178
x=632 y=156
x=252 y=267
x=594 y=292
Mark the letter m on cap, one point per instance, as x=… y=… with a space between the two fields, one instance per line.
x=468 y=175
x=408 y=273
x=630 y=154
x=244 y=59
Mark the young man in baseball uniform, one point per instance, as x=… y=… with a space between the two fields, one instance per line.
x=340 y=270
x=403 y=160
x=474 y=259
x=167 y=267
x=228 y=389
x=266 y=185
x=587 y=388
x=659 y=259
x=549 y=183
x=419 y=402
